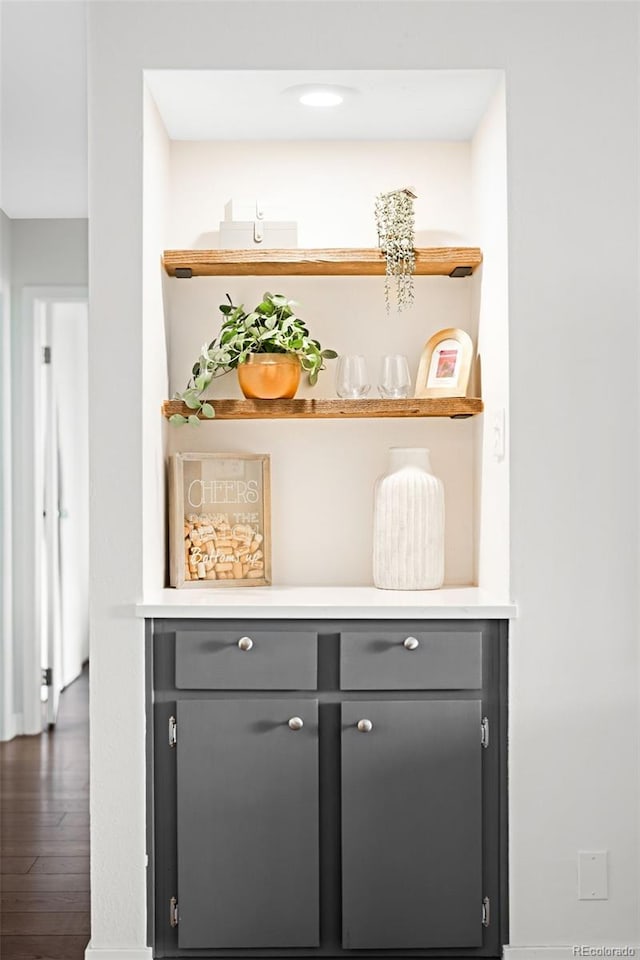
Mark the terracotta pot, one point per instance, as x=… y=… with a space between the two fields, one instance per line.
x=269 y=376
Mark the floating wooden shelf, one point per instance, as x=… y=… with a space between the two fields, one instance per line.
x=430 y=262
x=455 y=407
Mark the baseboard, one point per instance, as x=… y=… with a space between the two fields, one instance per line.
x=576 y=951
x=13 y=727
x=117 y=953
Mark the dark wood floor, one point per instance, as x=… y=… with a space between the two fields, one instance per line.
x=44 y=837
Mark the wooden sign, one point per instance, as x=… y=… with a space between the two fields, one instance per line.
x=219 y=520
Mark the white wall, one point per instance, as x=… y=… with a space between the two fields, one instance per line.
x=573 y=159
x=49 y=253
x=46 y=254
x=328 y=185
x=154 y=364
x=574 y=475
x=490 y=287
x=330 y=188
x=7 y=709
x=116 y=473
x=43 y=103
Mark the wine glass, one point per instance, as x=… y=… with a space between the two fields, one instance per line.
x=395 y=379
x=351 y=378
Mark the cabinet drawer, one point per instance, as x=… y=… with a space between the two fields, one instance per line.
x=411 y=660
x=246 y=659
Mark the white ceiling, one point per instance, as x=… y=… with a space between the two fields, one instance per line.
x=385 y=105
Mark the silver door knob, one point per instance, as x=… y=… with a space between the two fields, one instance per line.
x=365 y=726
x=245 y=643
x=411 y=643
x=296 y=723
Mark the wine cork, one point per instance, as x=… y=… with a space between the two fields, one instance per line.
x=214 y=549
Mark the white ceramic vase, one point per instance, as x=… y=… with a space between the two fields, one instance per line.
x=408 y=526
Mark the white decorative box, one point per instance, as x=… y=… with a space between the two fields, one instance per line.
x=257 y=223
x=256 y=209
x=269 y=234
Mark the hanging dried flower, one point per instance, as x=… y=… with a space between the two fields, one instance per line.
x=395 y=222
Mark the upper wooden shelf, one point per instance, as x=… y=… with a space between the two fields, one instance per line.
x=430 y=262
x=455 y=407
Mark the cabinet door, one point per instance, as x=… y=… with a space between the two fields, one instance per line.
x=247 y=823
x=411 y=824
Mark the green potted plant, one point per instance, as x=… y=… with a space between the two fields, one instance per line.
x=269 y=347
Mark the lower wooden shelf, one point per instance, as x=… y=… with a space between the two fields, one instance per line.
x=454 y=407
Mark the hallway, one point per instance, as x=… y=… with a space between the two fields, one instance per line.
x=44 y=838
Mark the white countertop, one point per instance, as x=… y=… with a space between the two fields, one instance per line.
x=353 y=603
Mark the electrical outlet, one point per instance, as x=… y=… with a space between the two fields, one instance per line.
x=592 y=875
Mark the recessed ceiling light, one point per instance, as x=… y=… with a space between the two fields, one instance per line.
x=321 y=98
x=319 y=94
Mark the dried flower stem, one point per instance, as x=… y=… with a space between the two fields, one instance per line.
x=395 y=223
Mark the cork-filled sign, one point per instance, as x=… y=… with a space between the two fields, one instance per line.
x=219 y=520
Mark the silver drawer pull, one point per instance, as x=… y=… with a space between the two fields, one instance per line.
x=245 y=643
x=365 y=726
x=296 y=723
x=411 y=643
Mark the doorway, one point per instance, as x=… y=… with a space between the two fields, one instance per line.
x=52 y=505
x=64 y=553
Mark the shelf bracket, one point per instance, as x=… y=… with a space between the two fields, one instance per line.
x=183 y=273
x=461 y=272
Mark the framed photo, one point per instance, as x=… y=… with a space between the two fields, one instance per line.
x=445 y=365
x=219 y=520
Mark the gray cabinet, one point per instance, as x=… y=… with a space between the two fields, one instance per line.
x=329 y=791
x=247 y=817
x=411 y=824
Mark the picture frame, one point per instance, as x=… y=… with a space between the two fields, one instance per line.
x=219 y=520
x=445 y=365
